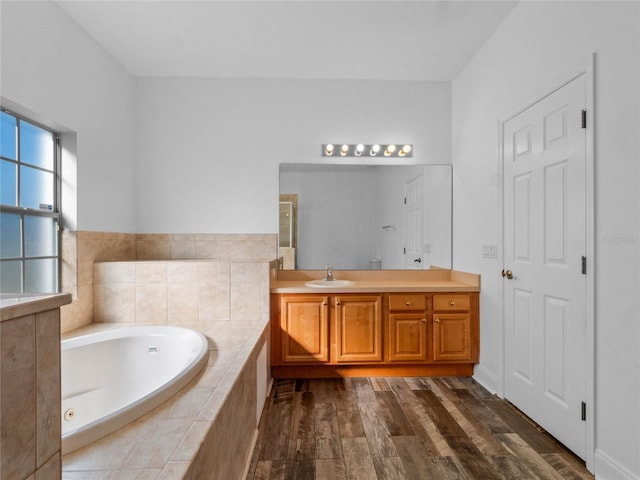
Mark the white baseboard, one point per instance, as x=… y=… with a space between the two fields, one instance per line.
x=607 y=468
x=485 y=377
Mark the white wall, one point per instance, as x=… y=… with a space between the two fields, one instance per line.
x=209 y=149
x=53 y=71
x=536 y=44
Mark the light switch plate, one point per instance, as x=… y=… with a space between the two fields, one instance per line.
x=489 y=250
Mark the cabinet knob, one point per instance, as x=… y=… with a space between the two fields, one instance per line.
x=407 y=303
x=452 y=303
x=436 y=319
x=424 y=320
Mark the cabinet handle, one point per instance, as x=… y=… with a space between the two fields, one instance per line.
x=436 y=319
x=452 y=303
x=407 y=303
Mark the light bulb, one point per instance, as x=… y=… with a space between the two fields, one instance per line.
x=328 y=150
x=344 y=150
x=374 y=150
x=406 y=149
x=389 y=150
x=359 y=149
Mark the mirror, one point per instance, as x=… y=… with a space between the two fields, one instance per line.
x=355 y=217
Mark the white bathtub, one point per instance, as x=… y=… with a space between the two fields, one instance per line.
x=111 y=378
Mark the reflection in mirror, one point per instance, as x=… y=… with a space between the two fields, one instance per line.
x=361 y=217
x=287 y=237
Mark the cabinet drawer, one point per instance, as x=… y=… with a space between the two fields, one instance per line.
x=443 y=303
x=407 y=302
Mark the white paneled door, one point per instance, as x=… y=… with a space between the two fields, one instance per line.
x=544 y=243
x=413 y=214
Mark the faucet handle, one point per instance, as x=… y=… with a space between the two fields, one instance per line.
x=329 y=275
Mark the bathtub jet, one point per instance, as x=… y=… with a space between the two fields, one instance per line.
x=113 y=377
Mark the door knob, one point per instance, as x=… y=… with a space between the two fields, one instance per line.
x=508 y=274
x=418 y=260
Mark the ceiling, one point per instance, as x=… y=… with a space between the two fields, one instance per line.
x=322 y=39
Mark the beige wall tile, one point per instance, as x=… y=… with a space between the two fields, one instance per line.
x=150 y=272
x=214 y=306
x=182 y=272
x=153 y=249
x=182 y=249
x=213 y=272
x=191 y=441
x=174 y=470
x=142 y=444
x=118 y=303
x=245 y=272
x=213 y=302
x=51 y=470
x=182 y=303
x=245 y=302
x=119 y=272
x=151 y=303
x=206 y=247
x=118 y=474
x=48 y=416
x=17 y=397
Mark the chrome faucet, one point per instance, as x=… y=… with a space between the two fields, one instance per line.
x=329 y=276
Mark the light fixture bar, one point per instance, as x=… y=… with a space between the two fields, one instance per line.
x=363 y=150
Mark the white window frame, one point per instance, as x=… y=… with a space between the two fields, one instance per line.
x=25 y=212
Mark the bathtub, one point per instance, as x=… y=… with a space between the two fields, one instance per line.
x=112 y=377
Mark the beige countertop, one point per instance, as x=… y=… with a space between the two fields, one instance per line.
x=14 y=305
x=377 y=286
x=378 y=281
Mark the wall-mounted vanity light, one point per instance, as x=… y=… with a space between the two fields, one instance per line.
x=347 y=150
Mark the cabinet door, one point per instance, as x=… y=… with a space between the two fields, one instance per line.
x=407 y=337
x=358 y=328
x=451 y=337
x=304 y=325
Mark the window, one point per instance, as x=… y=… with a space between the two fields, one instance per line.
x=29 y=206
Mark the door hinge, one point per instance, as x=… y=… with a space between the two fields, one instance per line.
x=583 y=412
x=405 y=200
x=584 y=265
x=584 y=119
x=404 y=250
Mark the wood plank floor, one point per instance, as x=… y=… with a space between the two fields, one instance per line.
x=401 y=428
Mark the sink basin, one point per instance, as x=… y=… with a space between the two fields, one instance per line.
x=329 y=283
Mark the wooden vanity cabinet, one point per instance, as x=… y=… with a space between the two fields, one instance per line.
x=308 y=324
x=407 y=328
x=358 y=328
x=353 y=334
x=455 y=336
x=303 y=329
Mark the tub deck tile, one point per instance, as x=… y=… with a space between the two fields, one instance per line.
x=162 y=444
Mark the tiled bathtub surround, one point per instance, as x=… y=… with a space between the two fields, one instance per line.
x=206 y=431
x=80 y=250
x=30 y=387
x=217 y=284
x=180 y=292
